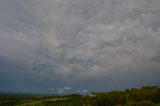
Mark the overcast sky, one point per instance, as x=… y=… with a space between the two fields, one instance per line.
x=60 y=46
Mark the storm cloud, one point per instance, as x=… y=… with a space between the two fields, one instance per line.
x=85 y=44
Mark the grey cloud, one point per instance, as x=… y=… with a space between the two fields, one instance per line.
x=79 y=39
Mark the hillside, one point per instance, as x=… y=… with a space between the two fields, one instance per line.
x=145 y=96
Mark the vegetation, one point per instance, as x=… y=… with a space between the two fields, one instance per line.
x=145 y=96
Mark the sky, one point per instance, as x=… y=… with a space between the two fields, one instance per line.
x=78 y=46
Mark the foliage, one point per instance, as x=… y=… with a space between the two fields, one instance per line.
x=145 y=96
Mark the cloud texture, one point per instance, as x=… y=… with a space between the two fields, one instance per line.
x=115 y=43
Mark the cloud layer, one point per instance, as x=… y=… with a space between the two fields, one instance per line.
x=79 y=42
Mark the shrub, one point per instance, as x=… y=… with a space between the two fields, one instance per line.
x=146 y=103
x=131 y=104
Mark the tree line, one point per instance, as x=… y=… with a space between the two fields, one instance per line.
x=145 y=96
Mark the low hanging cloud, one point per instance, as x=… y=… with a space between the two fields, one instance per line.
x=72 y=40
x=61 y=90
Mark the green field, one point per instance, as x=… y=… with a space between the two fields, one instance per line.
x=23 y=100
x=145 y=96
x=41 y=102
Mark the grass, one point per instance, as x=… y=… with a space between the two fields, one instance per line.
x=158 y=104
x=45 y=100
